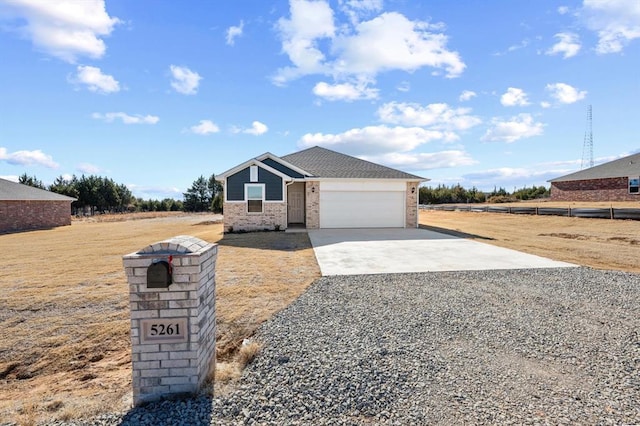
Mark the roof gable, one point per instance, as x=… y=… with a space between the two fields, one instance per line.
x=13 y=191
x=325 y=163
x=622 y=167
x=252 y=162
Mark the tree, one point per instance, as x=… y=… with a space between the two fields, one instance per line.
x=204 y=195
x=198 y=196
x=31 y=181
x=215 y=187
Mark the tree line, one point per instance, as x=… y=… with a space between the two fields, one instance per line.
x=443 y=194
x=97 y=194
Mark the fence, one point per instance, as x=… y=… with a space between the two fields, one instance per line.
x=595 y=213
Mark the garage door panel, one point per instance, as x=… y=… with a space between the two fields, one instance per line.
x=349 y=209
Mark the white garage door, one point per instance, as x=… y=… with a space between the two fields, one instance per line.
x=357 y=209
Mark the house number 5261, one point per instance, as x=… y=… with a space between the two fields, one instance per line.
x=158 y=330
x=164 y=330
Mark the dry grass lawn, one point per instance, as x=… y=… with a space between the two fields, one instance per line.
x=64 y=318
x=598 y=243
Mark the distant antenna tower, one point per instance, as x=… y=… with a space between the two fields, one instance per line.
x=587 y=148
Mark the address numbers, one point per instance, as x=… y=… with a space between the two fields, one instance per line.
x=169 y=330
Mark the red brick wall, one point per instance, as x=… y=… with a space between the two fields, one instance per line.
x=612 y=189
x=22 y=215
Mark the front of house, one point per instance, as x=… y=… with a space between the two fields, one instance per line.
x=318 y=188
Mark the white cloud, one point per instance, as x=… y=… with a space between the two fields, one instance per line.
x=110 y=117
x=66 y=29
x=511 y=177
x=514 y=97
x=359 y=9
x=205 y=127
x=568 y=45
x=423 y=161
x=28 y=158
x=565 y=94
x=95 y=80
x=435 y=116
x=156 y=192
x=617 y=22
x=233 y=32
x=524 y=43
x=405 y=86
x=88 y=168
x=467 y=95
x=360 y=49
x=545 y=104
x=563 y=10
x=310 y=21
x=393 y=42
x=518 y=127
x=257 y=128
x=345 y=91
x=376 y=140
x=12 y=178
x=184 y=80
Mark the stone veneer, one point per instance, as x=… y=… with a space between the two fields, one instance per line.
x=164 y=369
x=312 y=207
x=237 y=218
x=411 y=220
x=16 y=215
x=611 y=189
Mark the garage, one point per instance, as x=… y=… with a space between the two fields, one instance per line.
x=362 y=205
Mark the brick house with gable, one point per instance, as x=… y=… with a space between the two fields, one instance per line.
x=617 y=180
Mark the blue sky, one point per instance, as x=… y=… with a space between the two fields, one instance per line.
x=156 y=93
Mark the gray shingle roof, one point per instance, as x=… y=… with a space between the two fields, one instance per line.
x=622 y=167
x=12 y=191
x=324 y=163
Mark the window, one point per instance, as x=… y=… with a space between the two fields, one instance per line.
x=634 y=185
x=254 y=195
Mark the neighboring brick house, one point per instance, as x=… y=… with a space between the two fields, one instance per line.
x=617 y=180
x=318 y=188
x=23 y=207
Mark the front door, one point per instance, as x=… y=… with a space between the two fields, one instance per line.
x=295 y=203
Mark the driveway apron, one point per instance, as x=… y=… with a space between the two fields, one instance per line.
x=383 y=251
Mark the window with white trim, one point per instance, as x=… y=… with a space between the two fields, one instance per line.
x=254 y=194
x=634 y=185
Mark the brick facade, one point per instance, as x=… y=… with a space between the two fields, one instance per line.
x=313 y=205
x=611 y=189
x=33 y=214
x=411 y=219
x=236 y=217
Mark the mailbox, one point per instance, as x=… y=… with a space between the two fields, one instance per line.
x=159 y=274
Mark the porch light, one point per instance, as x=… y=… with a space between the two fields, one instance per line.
x=413 y=189
x=313 y=189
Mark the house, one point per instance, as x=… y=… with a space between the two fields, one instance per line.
x=23 y=207
x=318 y=188
x=617 y=180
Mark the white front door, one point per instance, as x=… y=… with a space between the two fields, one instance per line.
x=295 y=203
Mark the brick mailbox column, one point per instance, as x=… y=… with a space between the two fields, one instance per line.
x=173 y=316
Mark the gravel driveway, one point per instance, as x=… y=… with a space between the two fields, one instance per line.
x=545 y=346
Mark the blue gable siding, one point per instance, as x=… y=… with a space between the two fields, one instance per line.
x=235 y=185
x=281 y=168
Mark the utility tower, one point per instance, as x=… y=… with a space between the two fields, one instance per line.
x=587 y=148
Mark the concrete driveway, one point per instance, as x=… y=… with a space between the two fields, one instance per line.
x=383 y=251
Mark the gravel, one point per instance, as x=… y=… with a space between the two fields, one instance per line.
x=545 y=346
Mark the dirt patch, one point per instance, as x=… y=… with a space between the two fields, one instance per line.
x=64 y=317
x=598 y=243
